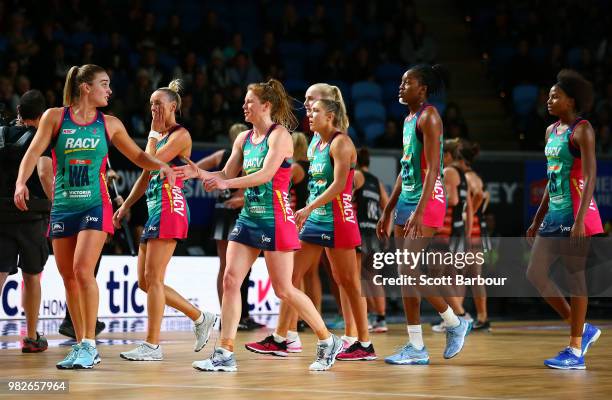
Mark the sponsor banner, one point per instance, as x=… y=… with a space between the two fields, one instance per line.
x=195 y=278
x=504 y=182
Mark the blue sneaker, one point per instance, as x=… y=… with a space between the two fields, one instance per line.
x=87 y=357
x=589 y=336
x=409 y=355
x=566 y=360
x=336 y=324
x=67 y=362
x=455 y=338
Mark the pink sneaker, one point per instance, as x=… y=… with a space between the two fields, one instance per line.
x=294 y=345
x=356 y=352
x=268 y=346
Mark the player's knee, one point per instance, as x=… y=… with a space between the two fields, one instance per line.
x=231 y=282
x=142 y=284
x=152 y=279
x=31 y=279
x=283 y=291
x=83 y=277
x=533 y=275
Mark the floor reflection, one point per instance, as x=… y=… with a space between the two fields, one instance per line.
x=11 y=331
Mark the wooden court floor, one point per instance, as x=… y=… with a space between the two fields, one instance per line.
x=503 y=364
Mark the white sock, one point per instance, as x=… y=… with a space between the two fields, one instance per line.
x=151 y=345
x=200 y=319
x=327 y=341
x=292 y=335
x=450 y=318
x=577 y=352
x=225 y=352
x=365 y=344
x=415 y=333
x=278 y=338
x=349 y=339
x=91 y=342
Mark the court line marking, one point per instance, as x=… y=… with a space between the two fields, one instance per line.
x=305 y=390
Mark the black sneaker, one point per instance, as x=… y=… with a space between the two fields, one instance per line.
x=253 y=325
x=100 y=326
x=248 y=324
x=67 y=329
x=482 y=326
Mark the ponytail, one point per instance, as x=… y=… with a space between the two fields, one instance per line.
x=330 y=92
x=274 y=93
x=469 y=151
x=75 y=77
x=436 y=78
x=337 y=108
x=173 y=92
x=342 y=117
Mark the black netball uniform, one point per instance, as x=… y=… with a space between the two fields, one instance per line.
x=299 y=191
x=457 y=228
x=367 y=198
x=224 y=218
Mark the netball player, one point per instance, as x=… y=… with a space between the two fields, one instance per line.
x=455 y=228
x=478 y=234
x=567 y=210
x=227 y=209
x=421 y=204
x=316 y=238
x=266 y=222
x=168 y=222
x=81 y=214
x=370 y=198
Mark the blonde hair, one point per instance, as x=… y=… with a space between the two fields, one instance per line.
x=274 y=92
x=330 y=92
x=300 y=146
x=340 y=119
x=235 y=130
x=173 y=92
x=75 y=77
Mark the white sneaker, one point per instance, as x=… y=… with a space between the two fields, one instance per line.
x=203 y=330
x=217 y=363
x=294 y=344
x=143 y=352
x=326 y=354
x=439 y=328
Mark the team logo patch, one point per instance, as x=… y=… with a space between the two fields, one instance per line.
x=325 y=236
x=236 y=230
x=265 y=239
x=89 y=219
x=57 y=227
x=68 y=131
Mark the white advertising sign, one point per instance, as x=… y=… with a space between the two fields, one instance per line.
x=195 y=278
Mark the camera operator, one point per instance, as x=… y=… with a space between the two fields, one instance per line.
x=23 y=238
